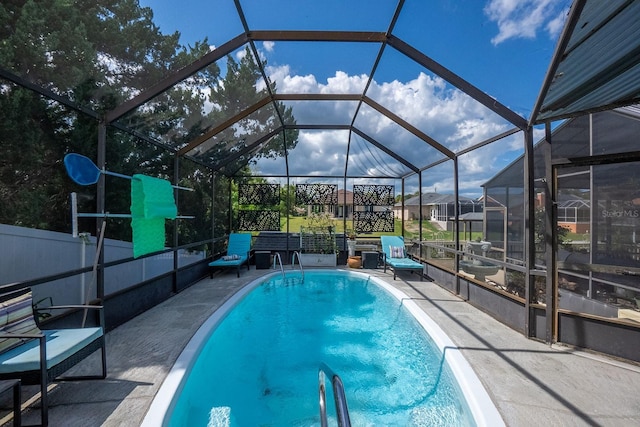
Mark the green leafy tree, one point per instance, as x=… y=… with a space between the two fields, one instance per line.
x=29 y=157
x=288 y=206
x=93 y=53
x=98 y=54
x=237 y=91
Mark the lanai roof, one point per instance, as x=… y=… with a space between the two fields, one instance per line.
x=434 y=199
x=596 y=65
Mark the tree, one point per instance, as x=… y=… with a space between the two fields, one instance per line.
x=27 y=164
x=237 y=91
x=98 y=54
x=92 y=52
x=288 y=199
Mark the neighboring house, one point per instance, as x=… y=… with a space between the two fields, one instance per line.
x=470 y=222
x=596 y=200
x=574 y=213
x=436 y=207
x=344 y=208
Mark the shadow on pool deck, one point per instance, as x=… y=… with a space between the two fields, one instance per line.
x=531 y=383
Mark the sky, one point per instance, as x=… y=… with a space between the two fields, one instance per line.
x=502 y=47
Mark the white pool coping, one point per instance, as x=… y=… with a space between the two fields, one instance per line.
x=484 y=411
x=482 y=407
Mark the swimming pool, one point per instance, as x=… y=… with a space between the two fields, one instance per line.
x=256 y=360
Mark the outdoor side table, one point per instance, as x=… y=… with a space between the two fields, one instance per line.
x=17 y=398
x=263 y=260
x=370 y=259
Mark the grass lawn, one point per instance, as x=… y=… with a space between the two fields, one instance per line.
x=429 y=230
x=300 y=221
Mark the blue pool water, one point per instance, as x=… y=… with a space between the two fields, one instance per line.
x=259 y=366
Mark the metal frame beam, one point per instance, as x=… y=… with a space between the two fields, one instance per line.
x=318 y=127
x=529 y=235
x=176 y=78
x=488 y=141
x=459 y=82
x=46 y=93
x=319 y=36
x=385 y=149
x=224 y=125
x=316 y=97
x=251 y=147
x=556 y=59
x=403 y=123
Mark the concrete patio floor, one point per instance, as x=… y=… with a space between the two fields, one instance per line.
x=531 y=383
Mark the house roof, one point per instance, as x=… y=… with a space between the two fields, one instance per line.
x=596 y=64
x=472 y=216
x=435 y=199
x=567 y=135
x=341 y=197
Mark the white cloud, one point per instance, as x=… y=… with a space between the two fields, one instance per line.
x=268 y=46
x=428 y=103
x=303 y=84
x=555 y=25
x=319 y=153
x=524 y=18
x=341 y=82
x=277 y=74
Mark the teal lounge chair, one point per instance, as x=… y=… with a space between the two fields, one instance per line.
x=395 y=257
x=238 y=253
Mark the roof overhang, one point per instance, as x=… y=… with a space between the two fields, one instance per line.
x=596 y=65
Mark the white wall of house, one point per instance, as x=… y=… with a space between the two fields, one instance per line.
x=412 y=212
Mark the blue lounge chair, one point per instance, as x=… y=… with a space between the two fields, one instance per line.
x=238 y=253
x=395 y=257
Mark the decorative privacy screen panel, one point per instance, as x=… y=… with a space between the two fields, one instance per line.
x=316 y=194
x=368 y=222
x=373 y=195
x=259 y=194
x=258 y=220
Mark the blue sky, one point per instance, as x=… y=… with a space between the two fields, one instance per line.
x=502 y=47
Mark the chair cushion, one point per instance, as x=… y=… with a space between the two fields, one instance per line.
x=16 y=317
x=396 y=251
x=61 y=343
x=239 y=244
x=237 y=251
x=401 y=263
x=220 y=262
x=388 y=241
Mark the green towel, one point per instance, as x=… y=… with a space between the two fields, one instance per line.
x=151 y=202
x=152 y=198
x=148 y=235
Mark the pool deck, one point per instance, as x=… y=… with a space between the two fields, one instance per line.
x=530 y=382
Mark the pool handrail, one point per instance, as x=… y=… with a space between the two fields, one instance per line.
x=295 y=255
x=342 y=410
x=278 y=259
